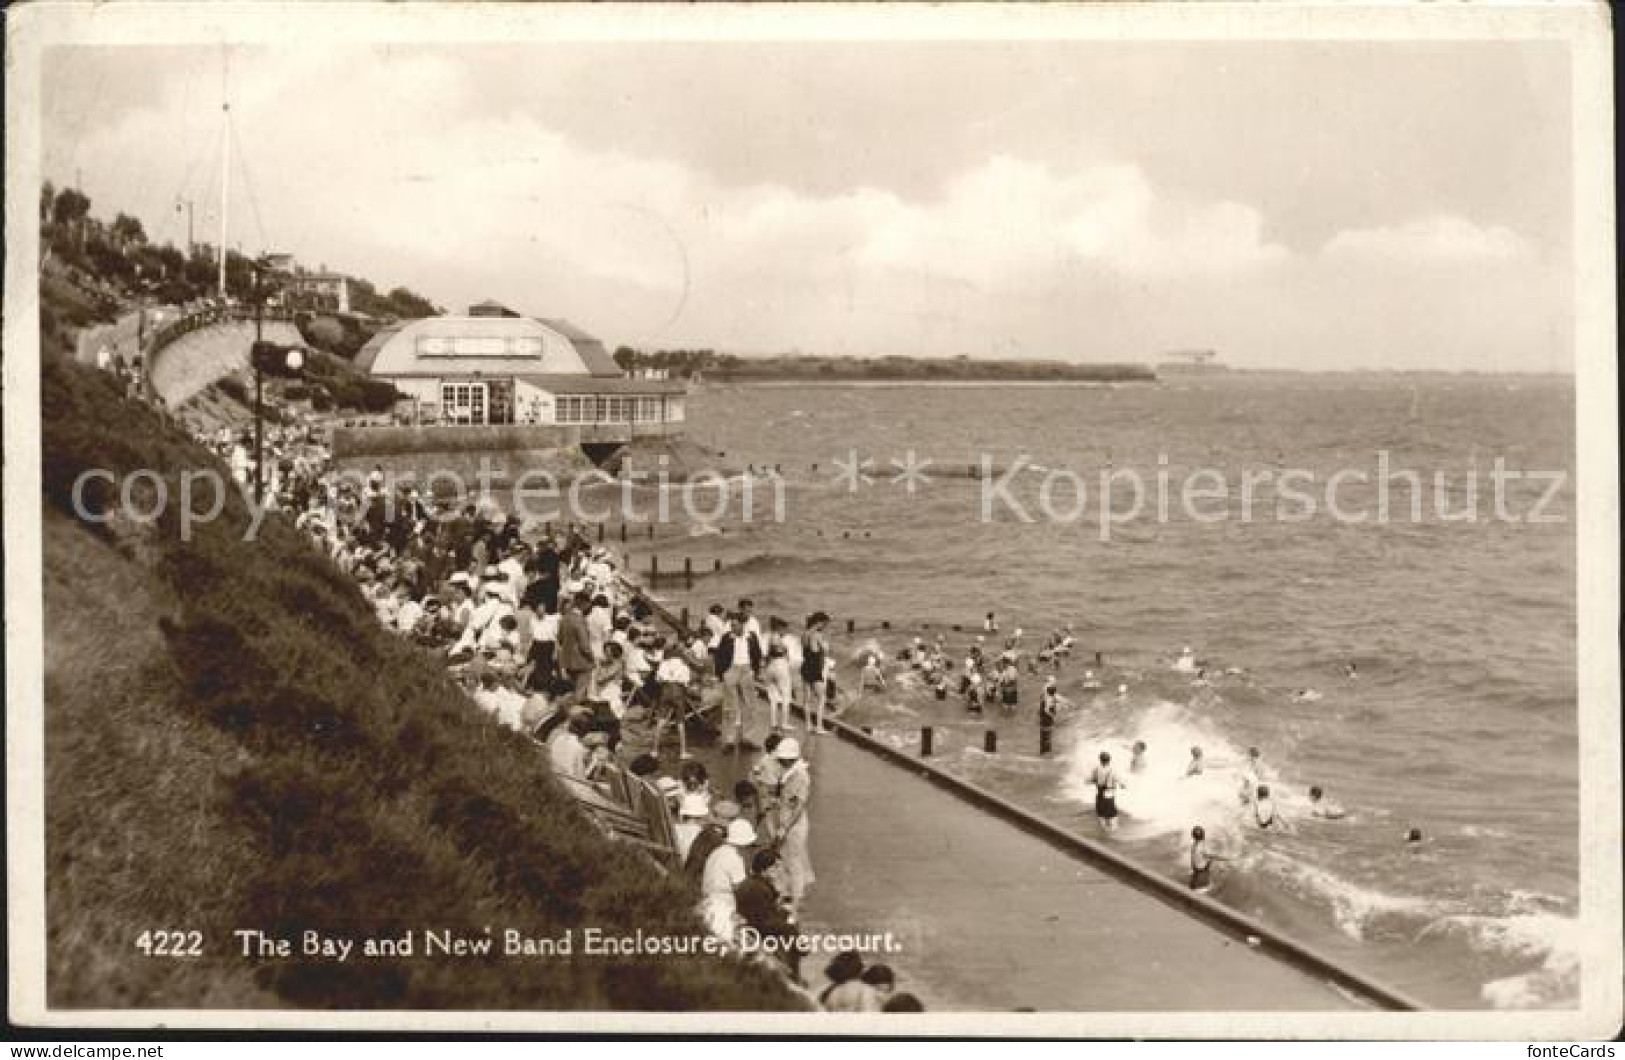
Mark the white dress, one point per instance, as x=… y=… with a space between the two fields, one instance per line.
x=795 y=791
x=724 y=870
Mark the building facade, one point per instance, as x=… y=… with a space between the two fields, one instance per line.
x=494 y=367
x=328 y=291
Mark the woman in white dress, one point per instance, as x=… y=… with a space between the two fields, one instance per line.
x=795 y=792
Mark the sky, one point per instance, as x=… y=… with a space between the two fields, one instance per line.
x=1311 y=205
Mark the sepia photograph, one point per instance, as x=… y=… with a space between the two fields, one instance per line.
x=1081 y=520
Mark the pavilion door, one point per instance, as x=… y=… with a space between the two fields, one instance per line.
x=463 y=402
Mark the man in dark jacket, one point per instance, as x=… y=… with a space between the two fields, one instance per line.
x=575 y=648
x=760 y=909
x=739 y=659
x=543 y=568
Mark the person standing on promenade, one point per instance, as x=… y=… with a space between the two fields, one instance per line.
x=543 y=568
x=600 y=620
x=1106 y=785
x=793 y=654
x=747 y=612
x=739 y=660
x=767 y=774
x=716 y=624
x=673 y=677
x=794 y=795
x=778 y=680
x=575 y=648
x=813 y=651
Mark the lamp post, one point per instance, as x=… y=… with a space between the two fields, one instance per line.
x=291 y=359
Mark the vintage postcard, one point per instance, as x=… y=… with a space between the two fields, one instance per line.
x=1085 y=520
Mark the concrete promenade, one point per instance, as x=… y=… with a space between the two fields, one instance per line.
x=993 y=918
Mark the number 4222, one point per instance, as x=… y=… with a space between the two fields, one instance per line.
x=170 y=943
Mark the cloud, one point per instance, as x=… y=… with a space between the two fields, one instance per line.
x=399 y=172
x=1438 y=238
x=1011 y=220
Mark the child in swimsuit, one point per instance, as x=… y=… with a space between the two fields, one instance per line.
x=1264 y=808
x=1320 y=807
x=1008 y=687
x=1049 y=706
x=1201 y=862
x=1106 y=785
x=873 y=678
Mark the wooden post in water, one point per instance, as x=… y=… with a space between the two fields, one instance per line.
x=685 y=618
x=718 y=568
x=925 y=741
x=623 y=532
x=1046 y=740
x=850 y=626
x=990 y=742
x=600 y=533
x=1098 y=663
x=688 y=572
x=654 y=571
x=651 y=531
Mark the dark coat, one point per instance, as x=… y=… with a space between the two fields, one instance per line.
x=575 y=642
x=725 y=652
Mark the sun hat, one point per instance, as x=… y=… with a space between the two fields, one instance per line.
x=788 y=750
x=694 y=805
x=668 y=786
x=725 y=809
x=741 y=833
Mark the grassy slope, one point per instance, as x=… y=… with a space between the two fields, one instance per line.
x=232 y=743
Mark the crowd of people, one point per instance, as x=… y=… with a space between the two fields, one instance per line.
x=546 y=637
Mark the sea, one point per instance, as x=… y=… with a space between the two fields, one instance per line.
x=1453 y=598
